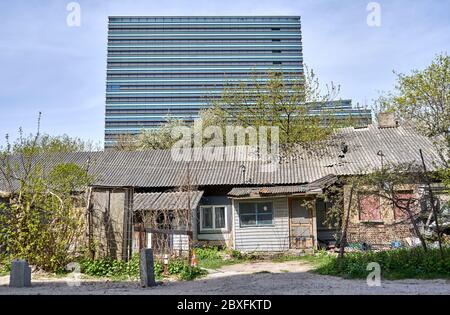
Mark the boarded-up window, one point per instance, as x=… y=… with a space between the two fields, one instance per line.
x=369 y=207
x=402 y=198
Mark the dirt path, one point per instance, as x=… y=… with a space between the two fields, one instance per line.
x=241 y=279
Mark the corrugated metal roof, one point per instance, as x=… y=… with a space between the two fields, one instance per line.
x=144 y=201
x=158 y=169
x=315 y=186
x=322 y=183
x=261 y=191
x=175 y=200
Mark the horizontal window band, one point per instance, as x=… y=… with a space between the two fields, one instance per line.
x=205 y=69
x=116 y=77
x=136 y=128
x=172 y=91
x=189 y=46
x=198 y=64
x=147 y=119
x=130 y=37
x=253 y=57
x=269 y=51
x=193 y=33
x=191 y=24
x=183 y=81
x=194 y=113
x=209 y=30
x=131 y=106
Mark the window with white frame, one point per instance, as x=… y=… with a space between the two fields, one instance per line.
x=255 y=213
x=213 y=218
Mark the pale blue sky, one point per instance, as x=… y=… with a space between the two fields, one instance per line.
x=47 y=66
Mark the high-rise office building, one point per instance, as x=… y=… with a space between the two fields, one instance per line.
x=174 y=66
x=160 y=66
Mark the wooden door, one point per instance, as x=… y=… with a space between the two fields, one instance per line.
x=300 y=225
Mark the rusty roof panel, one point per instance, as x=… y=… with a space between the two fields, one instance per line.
x=174 y=200
x=261 y=191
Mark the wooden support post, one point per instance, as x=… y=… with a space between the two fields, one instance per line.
x=433 y=206
x=89 y=222
x=347 y=219
x=147 y=274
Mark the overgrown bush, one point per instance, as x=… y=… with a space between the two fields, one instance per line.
x=215 y=257
x=204 y=253
x=236 y=254
x=189 y=273
x=43 y=222
x=42 y=214
x=4 y=268
x=107 y=267
x=119 y=269
x=395 y=264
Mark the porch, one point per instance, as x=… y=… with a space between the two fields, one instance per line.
x=278 y=219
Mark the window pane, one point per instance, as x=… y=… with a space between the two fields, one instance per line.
x=248 y=219
x=207 y=218
x=264 y=208
x=220 y=217
x=265 y=218
x=321 y=214
x=247 y=208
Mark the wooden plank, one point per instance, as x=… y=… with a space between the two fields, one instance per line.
x=297 y=239
x=264 y=238
x=164 y=231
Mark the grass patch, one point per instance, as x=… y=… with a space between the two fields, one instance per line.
x=214 y=258
x=411 y=263
x=118 y=270
x=217 y=263
x=314 y=260
x=111 y=268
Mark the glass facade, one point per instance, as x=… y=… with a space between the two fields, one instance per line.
x=160 y=66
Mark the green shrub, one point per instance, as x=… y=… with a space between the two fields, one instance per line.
x=189 y=272
x=250 y=256
x=5 y=264
x=215 y=257
x=175 y=267
x=158 y=269
x=184 y=271
x=119 y=269
x=208 y=253
x=4 y=269
x=236 y=254
x=107 y=267
x=47 y=220
x=395 y=264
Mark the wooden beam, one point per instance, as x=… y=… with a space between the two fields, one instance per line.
x=164 y=231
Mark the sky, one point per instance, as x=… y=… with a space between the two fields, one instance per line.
x=50 y=67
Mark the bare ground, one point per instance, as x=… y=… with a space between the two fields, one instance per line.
x=269 y=278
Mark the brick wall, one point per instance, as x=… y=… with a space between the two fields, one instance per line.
x=378 y=235
x=379 y=232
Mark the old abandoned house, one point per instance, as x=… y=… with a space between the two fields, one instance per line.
x=236 y=203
